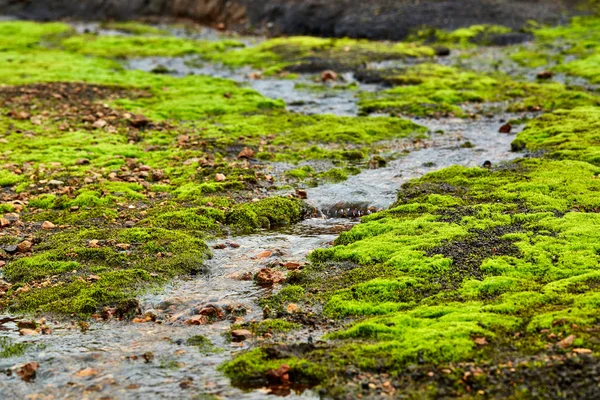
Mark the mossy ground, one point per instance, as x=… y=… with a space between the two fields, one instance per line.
x=136 y=170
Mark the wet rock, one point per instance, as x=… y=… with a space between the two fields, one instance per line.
x=377 y=162
x=246 y=153
x=160 y=69
x=148 y=357
x=220 y=178
x=86 y=373
x=301 y=194
x=47 y=225
x=127 y=309
x=12 y=249
x=25 y=246
x=186 y=383
x=506 y=128
x=233 y=245
x=280 y=375
x=26 y=325
x=27 y=372
x=220 y=246
x=197 y=320
x=269 y=277
x=545 y=75
x=28 y=332
x=239 y=335
x=441 y=51
x=487 y=164
x=328 y=75
x=292 y=266
x=264 y=254
x=211 y=312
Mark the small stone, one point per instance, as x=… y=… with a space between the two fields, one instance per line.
x=99 y=124
x=148 y=356
x=123 y=246
x=292 y=266
x=582 y=351
x=239 y=335
x=328 y=75
x=480 y=341
x=292 y=308
x=82 y=161
x=197 y=320
x=25 y=246
x=55 y=183
x=47 y=225
x=269 y=276
x=2 y=263
x=487 y=164
x=506 y=128
x=545 y=75
x=264 y=254
x=280 y=375
x=234 y=245
x=246 y=153
x=566 y=342
x=220 y=246
x=87 y=372
x=26 y=325
x=4 y=222
x=93 y=278
x=301 y=194
x=27 y=371
x=139 y=121
x=220 y=177
x=129 y=224
x=94 y=244
x=28 y=332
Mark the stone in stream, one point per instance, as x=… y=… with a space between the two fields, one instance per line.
x=27 y=372
x=506 y=128
x=239 y=335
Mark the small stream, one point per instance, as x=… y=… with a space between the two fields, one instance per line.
x=126 y=360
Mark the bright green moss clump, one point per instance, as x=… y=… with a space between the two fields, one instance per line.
x=21 y=35
x=268 y=213
x=433 y=90
x=573 y=134
x=299 y=53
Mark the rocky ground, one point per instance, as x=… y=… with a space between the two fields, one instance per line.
x=166 y=209
x=379 y=19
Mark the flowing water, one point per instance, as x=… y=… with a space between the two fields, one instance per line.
x=127 y=360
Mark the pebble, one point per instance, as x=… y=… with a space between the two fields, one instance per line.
x=27 y=371
x=239 y=335
x=220 y=177
x=55 y=182
x=25 y=246
x=47 y=225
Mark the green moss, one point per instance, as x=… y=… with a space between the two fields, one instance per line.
x=21 y=35
x=202 y=343
x=573 y=134
x=133 y=27
x=268 y=213
x=8 y=178
x=273 y=55
x=8 y=348
x=463 y=37
x=142 y=46
x=431 y=89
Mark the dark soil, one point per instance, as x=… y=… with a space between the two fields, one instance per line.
x=375 y=19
